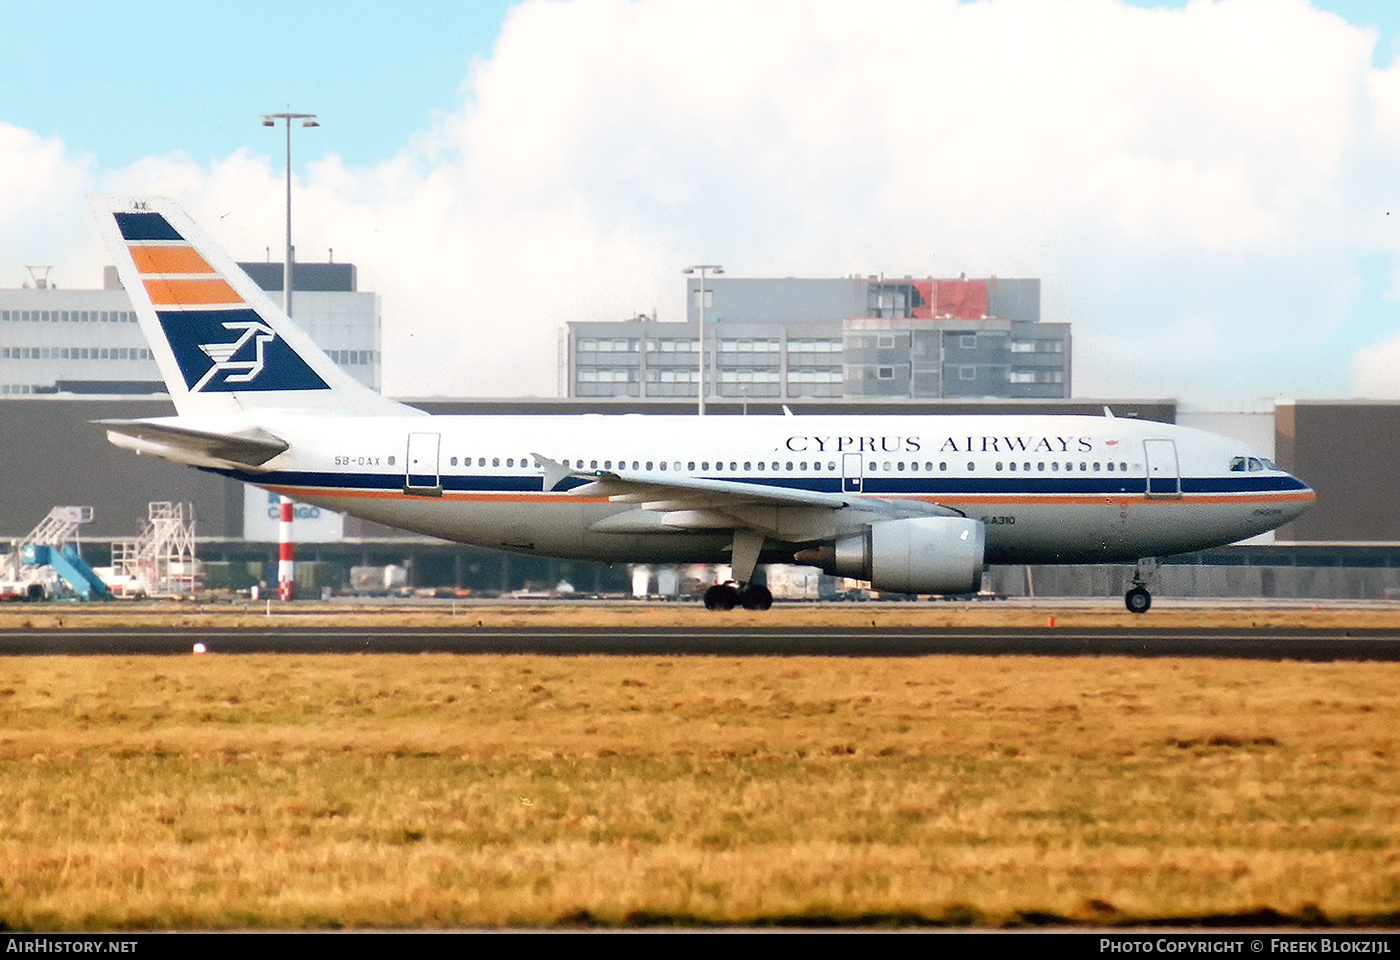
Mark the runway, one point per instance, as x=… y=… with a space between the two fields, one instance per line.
x=1265 y=643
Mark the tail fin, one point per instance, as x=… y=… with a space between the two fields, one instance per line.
x=221 y=344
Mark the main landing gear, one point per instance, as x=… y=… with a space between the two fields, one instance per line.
x=727 y=596
x=1138 y=599
x=740 y=592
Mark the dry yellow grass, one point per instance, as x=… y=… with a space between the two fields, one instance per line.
x=296 y=791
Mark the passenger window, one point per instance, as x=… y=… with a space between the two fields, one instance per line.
x=690 y=466
x=789 y=465
x=998 y=466
x=481 y=462
x=971 y=465
x=1110 y=466
x=943 y=465
x=454 y=461
x=649 y=465
x=593 y=464
x=1011 y=466
x=733 y=465
x=747 y=465
x=607 y=464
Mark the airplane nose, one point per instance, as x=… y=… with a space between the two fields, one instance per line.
x=1306 y=498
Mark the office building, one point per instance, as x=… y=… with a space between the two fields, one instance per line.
x=847 y=338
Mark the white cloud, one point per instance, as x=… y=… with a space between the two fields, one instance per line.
x=42 y=214
x=1191 y=185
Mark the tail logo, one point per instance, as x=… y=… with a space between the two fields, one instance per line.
x=238 y=371
x=256 y=359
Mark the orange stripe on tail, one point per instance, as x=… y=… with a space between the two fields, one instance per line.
x=184 y=293
x=169 y=260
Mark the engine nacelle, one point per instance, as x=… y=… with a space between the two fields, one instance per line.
x=917 y=555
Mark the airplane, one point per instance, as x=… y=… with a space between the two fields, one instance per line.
x=911 y=504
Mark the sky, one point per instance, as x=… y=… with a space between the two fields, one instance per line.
x=1209 y=190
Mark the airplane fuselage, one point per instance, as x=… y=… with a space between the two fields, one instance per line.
x=1049 y=489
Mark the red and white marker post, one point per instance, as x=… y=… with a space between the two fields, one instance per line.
x=286 y=554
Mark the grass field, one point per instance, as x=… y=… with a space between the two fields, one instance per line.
x=286 y=791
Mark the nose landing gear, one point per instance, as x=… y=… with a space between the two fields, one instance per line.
x=1138 y=599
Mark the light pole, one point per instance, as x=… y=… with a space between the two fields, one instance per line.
x=702 y=268
x=286 y=550
x=307 y=120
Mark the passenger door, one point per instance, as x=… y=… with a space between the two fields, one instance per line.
x=421 y=476
x=1163 y=473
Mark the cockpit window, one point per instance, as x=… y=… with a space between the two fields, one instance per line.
x=1241 y=464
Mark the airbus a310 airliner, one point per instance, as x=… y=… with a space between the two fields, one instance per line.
x=912 y=504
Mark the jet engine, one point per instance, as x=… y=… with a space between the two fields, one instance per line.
x=916 y=555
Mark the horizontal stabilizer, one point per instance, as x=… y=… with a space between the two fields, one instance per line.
x=248 y=448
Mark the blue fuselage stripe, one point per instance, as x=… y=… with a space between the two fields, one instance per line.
x=884 y=486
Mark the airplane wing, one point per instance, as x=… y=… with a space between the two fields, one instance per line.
x=245 y=448
x=666 y=504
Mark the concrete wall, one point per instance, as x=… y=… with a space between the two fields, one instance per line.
x=51 y=454
x=1190 y=580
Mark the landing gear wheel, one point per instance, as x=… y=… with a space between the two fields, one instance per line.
x=755 y=597
x=1138 y=600
x=722 y=596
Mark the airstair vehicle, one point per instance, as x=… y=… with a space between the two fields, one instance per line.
x=160 y=562
x=49 y=555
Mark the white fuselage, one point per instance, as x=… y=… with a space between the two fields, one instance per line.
x=1050 y=489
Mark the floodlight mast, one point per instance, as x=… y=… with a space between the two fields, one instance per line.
x=703 y=268
x=286 y=558
x=307 y=120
